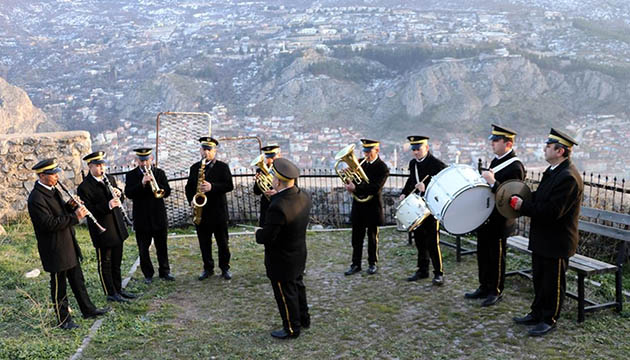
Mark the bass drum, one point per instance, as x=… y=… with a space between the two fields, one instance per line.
x=459 y=198
x=411 y=212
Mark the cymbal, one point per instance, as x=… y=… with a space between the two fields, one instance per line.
x=504 y=193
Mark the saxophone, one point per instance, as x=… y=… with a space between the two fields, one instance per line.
x=200 y=199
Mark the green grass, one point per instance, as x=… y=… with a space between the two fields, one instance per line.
x=362 y=316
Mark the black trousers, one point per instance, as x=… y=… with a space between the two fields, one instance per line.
x=290 y=296
x=427 y=239
x=143 y=239
x=491 y=259
x=59 y=295
x=358 y=233
x=204 y=235
x=109 y=261
x=549 y=275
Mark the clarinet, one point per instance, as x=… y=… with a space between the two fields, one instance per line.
x=78 y=201
x=122 y=209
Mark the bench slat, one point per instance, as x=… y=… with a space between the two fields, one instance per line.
x=605 y=215
x=599 y=229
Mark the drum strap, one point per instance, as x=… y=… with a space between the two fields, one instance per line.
x=505 y=164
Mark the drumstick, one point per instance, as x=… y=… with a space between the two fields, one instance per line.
x=414 y=189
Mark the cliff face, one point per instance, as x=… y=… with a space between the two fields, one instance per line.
x=445 y=95
x=17 y=113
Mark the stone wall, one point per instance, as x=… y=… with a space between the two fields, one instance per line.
x=19 y=152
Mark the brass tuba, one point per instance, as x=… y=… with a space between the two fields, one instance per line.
x=157 y=192
x=354 y=172
x=264 y=180
x=200 y=199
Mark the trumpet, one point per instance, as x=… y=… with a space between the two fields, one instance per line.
x=264 y=180
x=354 y=172
x=200 y=199
x=122 y=209
x=157 y=192
x=79 y=203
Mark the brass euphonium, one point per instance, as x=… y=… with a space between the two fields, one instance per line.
x=264 y=180
x=200 y=199
x=157 y=192
x=354 y=172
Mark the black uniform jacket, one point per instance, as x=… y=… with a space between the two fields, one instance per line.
x=53 y=224
x=370 y=212
x=218 y=174
x=430 y=165
x=554 y=209
x=96 y=197
x=284 y=234
x=497 y=222
x=149 y=213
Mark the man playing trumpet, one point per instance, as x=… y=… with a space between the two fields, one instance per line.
x=147 y=186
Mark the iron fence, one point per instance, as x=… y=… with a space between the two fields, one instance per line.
x=332 y=204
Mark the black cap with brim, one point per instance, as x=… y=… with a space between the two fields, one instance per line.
x=95 y=158
x=559 y=137
x=270 y=150
x=46 y=166
x=369 y=144
x=208 y=142
x=416 y=141
x=143 y=153
x=285 y=170
x=501 y=132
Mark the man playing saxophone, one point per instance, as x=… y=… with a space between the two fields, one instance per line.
x=205 y=191
x=147 y=186
x=263 y=186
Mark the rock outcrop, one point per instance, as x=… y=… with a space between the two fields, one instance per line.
x=17 y=112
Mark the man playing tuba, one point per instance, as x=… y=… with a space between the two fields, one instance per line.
x=367 y=214
x=263 y=184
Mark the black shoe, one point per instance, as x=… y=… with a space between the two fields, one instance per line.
x=97 y=312
x=418 y=275
x=541 y=329
x=148 y=280
x=526 y=320
x=372 y=269
x=352 y=270
x=306 y=323
x=68 y=325
x=117 y=298
x=127 y=295
x=205 y=274
x=283 y=334
x=438 y=280
x=167 y=277
x=477 y=294
x=491 y=300
x=226 y=274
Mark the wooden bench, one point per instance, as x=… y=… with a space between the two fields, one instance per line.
x=585 y=266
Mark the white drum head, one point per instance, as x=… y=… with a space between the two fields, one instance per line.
x=468 y=210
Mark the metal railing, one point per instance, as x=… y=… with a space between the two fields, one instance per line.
x=332 y=204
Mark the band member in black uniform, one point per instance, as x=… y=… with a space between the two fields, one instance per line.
x=106 y=207
x=147 y=186
x=367 y=215
x=271 y=152
x=492 y=235
x=53 y=222
x=427 y=236
x=553 y=237
x=284 y=237
x=216 y=183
